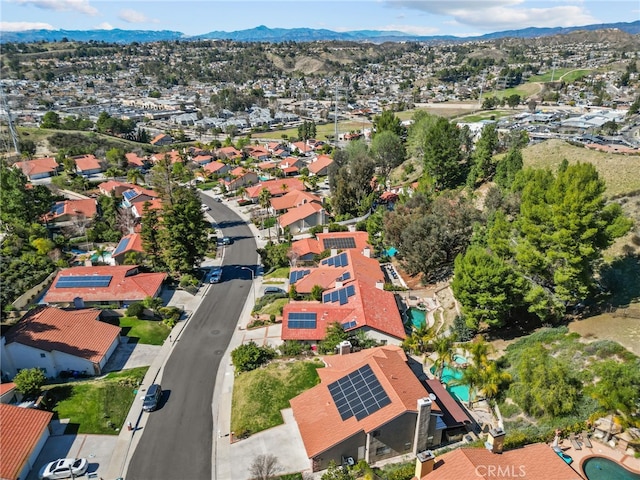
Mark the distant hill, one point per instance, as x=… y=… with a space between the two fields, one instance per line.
x=276 y=35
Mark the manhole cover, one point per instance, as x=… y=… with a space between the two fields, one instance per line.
x=216 y=332
x=218 y=352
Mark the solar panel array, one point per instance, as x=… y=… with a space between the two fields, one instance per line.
x=341 y=243
x=342 y=295
x=129 y=194
x=337 y=261
x=344 y=276
x=297 y=275
x=298 y=320
x=122 y=246
x=88 y=281
x=58 y=208
x=349 y=325
x=358 y=394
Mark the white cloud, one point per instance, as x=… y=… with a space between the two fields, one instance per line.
x=104 y=26
x=131 y=16
x=22 y=26
x=81 y=6
x=492 y=15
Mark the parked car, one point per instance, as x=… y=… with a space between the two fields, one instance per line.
x=152 y=398
x=64 y=468
x=274 y=291
x=204 y=207
x=227 y=241
x=216 y=275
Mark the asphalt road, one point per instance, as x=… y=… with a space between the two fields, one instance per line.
x=177 y=440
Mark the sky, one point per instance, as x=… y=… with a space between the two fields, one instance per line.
x=419 y=17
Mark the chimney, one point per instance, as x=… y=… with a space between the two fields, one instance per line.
x=334 y=252
x=379 y=284
x=338 y=283
x=495 y=441
x=325 y=229
x=366 y=252
x=421 y=439
x=424 y=463
x=344 y=347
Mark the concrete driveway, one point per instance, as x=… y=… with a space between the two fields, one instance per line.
x=97 y=449
x=131 y=355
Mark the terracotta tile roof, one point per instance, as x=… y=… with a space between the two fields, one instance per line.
x=239 y=171
x=370 y=306
x=126 y=285
x=306 y=246
x=111 y=185
x=139 y=205
x=289 y=170
x=361 y=239
x=275 y=187
x=75 y=332
x=21 y=429
x=214 y=166
x=86 y=207
x=87 y=162
x=134 y=160
x=318 y=419
x=173 y=155
x=295 y=214
x=303 y=147
x=6 y=387
x=203 y=159
x=321 y=162
x=37 y=166
x=229 y=152
x=129 y=243
x=532 y=462
x=267 y=165
x=160 y=137
x=294 y=198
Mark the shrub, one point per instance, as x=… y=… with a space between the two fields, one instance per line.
x=250 y=356
x=188 y=281
x=29 y=381
x=293 y=348
x=135 y=309
x=170 y=315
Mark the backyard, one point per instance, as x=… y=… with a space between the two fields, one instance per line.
x=96 y=406
x=259 y=395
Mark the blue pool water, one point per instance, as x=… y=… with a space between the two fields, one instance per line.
x=418 y=317
x=450 y=375
x=391 y=251
x=599 y=468
x=104 y=258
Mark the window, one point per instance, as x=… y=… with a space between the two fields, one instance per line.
x=43 y=355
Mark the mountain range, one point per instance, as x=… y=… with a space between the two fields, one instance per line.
x=276 y=35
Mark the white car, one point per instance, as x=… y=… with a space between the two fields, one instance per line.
x=204 y=207
x=64 y=468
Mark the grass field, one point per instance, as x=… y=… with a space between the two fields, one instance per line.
x=275 y=307
x=96 y=406
x=621 y=173
x=323 y=132
x=258 y=396
x=150 y=332
x=278 y=273
x=546 y=77
x=485 y=115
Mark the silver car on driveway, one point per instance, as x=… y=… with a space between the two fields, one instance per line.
x=64 y=468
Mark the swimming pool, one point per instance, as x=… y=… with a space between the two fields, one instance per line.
x=418 y=317
x=600 y=468
x=106 y=258
x=452 y=375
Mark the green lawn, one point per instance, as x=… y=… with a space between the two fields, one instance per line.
x=96 y=406
x=278 y=273
x=558 y=73
x=259 y=395
x=485 y=115
x=150 y=332
x=274 y=307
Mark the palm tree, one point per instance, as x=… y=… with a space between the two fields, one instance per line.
x=471 y=377
x=479 y=350
x=491 y=378
x=100 y=251
x=265 y=202
x=133 y=175
x=284 y=188
x=443 y=347
x=419 y=341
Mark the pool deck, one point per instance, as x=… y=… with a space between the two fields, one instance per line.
x=598 y=449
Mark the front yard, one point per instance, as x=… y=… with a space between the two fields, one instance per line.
x=96 y=406
x=259 y=395
x=149 y=332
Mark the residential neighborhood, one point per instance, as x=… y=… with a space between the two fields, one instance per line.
x=420 y=266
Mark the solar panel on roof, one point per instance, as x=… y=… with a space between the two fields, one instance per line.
x=88 y=281
x=358 y=394
x=122 y=246
x=300 y=320
x=129 y=194
x=339 y=243
x=342 y=296
x=351 y=290
x=344 y=276
x=326 y=298
x=57 y=209
x=349 y=325
x=334 y=296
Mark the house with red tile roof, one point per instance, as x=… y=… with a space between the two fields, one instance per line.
x=353 y=296
x=88 y=165
x=173 y=155
x=292 y=162
x=267 y=167
x=319 y=166
x=531 y=462
x=137 y=194
x=368 y=406
x=24 y=433
x=139 y=206
x=128 y=243
x=134 y=160
x=240 y=177
x=259 y=153
x=9 y=393
x=301 y=218
x=114 y=188
x=202 y=159
x=67 y=211
x=277 y=187
x=292 y=199
x=216 y=167
x=229 y=153
x=103 y=285
x=38 y=168
x=57 y=340
x=302 y=148
x=306 y=248
x=161 y=140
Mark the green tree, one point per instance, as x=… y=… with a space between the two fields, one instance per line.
x=617 y=386
x=387 y=149
x=334 y=335
x=250 y=356
x=443 y=348
x=513 y=100
x=337 y=472
x=483 y=166
x=487 y=287
x=116 y=158
x=419 y=341
x=508 y=168
x=151 y=236
x=29 y=381
x=50 y=120
x=264 y=199
x=388 y=122
x=21 y=206
x=443 y=159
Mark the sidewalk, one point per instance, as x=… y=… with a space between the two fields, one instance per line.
x=221 y=402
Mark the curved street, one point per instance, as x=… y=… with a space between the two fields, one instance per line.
x=177 y=441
